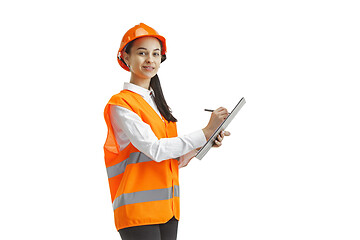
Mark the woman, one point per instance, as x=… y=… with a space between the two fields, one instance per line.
x=142 y=151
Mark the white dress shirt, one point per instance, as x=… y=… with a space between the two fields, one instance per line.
x=129 y=127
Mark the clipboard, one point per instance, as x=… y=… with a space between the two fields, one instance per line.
x=202 y=152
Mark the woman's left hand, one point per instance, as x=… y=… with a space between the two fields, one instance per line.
x=220 y=137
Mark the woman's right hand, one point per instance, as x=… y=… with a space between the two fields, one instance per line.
x=217 y=117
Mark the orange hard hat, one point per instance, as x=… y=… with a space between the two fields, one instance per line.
x=138 y=31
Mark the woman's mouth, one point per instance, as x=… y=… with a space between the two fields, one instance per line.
x=148 y=68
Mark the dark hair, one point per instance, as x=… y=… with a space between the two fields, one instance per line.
x=159 y=98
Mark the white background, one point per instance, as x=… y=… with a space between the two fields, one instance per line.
x=290 y=169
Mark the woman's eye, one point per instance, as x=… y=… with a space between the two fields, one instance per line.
x=142 y=53
x=156 y=54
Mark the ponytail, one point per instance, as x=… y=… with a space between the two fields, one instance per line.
x=160 y=99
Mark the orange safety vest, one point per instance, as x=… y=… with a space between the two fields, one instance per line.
x=143 y=191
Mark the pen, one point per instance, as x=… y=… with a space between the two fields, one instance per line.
x=208 y=110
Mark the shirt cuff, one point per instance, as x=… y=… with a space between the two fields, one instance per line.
x=198 y=138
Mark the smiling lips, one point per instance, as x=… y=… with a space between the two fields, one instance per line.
x=149 y=68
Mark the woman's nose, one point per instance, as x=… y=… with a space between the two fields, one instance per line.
x=150 y=59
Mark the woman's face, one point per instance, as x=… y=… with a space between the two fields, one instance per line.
x=144 y=57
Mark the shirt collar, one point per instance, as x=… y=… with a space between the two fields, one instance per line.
x=145 y=93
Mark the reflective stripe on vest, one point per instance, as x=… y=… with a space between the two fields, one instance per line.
x=135 y=157
x=146 y=196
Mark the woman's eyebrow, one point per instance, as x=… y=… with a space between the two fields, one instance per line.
x=142 y=48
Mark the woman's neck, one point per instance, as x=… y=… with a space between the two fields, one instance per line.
x=145 y=83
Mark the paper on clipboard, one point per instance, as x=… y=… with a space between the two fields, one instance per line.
x=202 y=152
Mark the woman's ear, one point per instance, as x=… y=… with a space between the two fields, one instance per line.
x=126 y=58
